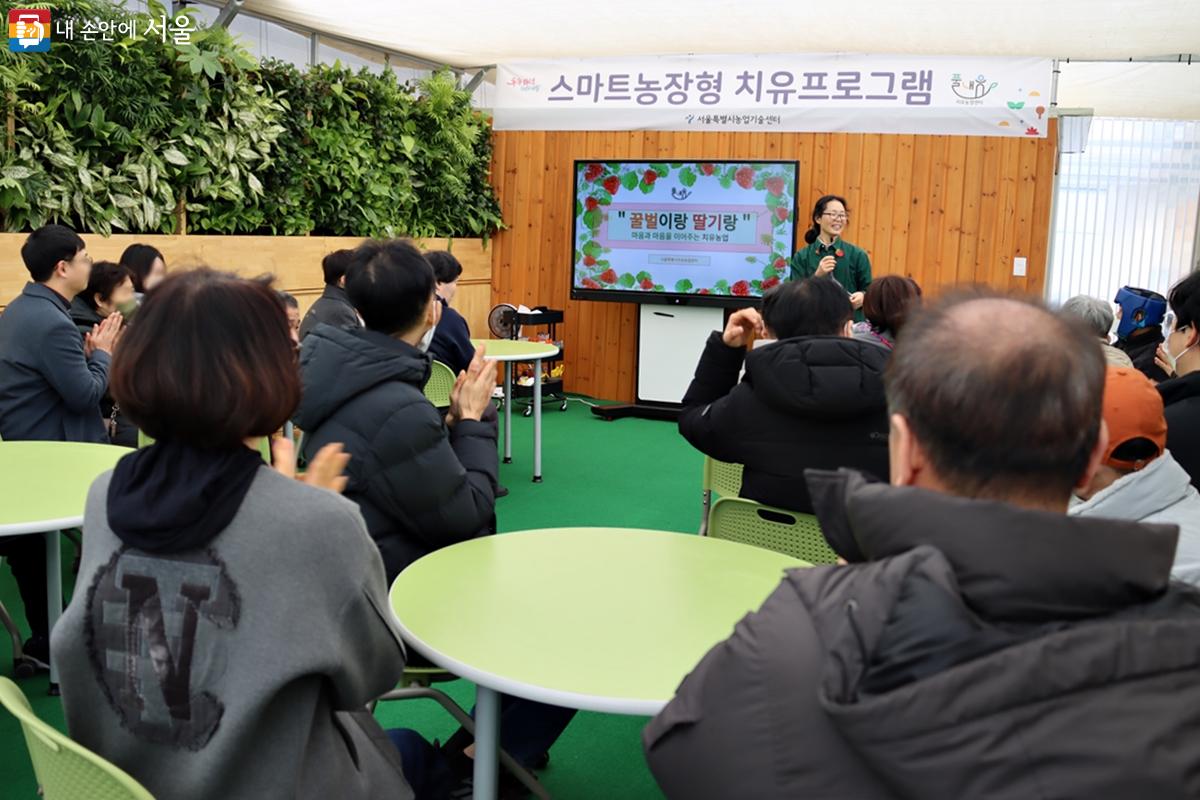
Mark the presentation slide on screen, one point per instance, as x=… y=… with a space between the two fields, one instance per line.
x=694 y=228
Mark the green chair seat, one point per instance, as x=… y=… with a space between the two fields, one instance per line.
x=788 y=532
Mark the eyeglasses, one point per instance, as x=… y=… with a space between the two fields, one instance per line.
x=836 y=216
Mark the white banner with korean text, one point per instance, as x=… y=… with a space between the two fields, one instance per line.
x=960 y=95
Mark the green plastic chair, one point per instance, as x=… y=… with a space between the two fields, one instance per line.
x=440 y=383
x=264 y=445
x=721 y=478
x=787 y=532
x=66 y=770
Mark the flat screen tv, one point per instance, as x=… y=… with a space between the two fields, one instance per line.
x=699 y=232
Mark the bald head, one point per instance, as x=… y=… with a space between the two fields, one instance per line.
x=1002 y=397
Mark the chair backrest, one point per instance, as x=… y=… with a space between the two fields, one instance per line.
x=264 y=445
x=441 y=381
x=66 y=770
x=746 y=521
x=722 y=477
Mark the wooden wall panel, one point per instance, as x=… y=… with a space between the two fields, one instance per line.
x=295 y=261
x=944 y=210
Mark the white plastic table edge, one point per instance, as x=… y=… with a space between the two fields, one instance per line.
x=553 y=351
x=40 y=526
x=528 y=691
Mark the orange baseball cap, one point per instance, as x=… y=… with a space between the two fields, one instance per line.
x=1133 y=409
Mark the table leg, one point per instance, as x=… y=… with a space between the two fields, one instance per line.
x=487 y=742
x=508 y=370
x=53 y=592
x=537 y=421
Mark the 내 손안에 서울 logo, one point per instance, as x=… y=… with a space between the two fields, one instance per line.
x=29 y=30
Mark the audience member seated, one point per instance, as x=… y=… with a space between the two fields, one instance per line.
x=451 y=343
x=887 y=303
x=421 y=482
x=51 y=386
x=981 y=643
x=1098 y=317
x=147 y=266
x=1138 y=478
x=292 y=306
x=109 y=289
x=1139 y=334
x=332 y=307
x=179 y=662
x=813 y=399
x=1179 y=357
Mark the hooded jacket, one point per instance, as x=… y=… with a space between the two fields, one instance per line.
x=1181 y=408
x=813 y=402
x=1159 y=492
x=980 y=651
x=419 y=486
x=333 y=307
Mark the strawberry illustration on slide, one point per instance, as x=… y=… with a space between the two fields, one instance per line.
x=782 y=213
x=780 y=264
x=591 y=204
x=592 y=172
x=775 y=186
x=769 y=283
x=608 y=276
x=740 y=289
x=744 y=177
x=589 y=261
x=611 y=184
x=650 y=177
x=647 y=283
x=707 y=169
x=588 y=283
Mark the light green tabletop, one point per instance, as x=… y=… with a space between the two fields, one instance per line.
x=606 y=619
x=44 y=485
x=515 y=350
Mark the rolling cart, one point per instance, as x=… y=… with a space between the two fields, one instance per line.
x=506 y=322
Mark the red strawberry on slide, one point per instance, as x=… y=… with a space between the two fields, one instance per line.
x=647 y=283
x=589 y=261
x=781 y=213
x=608 y=276
x=775 y=186
x=780 y=263
x=611 y=184
x=770 y=282
x=703 y=291
x=593 y=171
x=650 y=177
x=707 y=169
x=591 y=204
x=744 y=177
x=740 y=289
x=588 y=283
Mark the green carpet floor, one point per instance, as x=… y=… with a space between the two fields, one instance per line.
x=629 y=473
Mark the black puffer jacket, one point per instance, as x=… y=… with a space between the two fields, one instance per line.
x=814 y=402
x=1181 y=396
x=419 y=486
x=983 y=652
x=123 y=432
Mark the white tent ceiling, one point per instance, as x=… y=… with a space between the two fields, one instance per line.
x=470 y=33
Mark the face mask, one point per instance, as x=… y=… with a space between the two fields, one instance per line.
x=426 y=340
x=1172 y=359
x=128 y=308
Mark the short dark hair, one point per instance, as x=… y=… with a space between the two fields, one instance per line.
x=105 y=278
x=140 y=258
x=390 y=284
x=47 y=246
x=335 y=265
x=999 y=414
x=288 y=300
x=808 y=307
x=889 y=300
x=1185 y=301
x=446 y=268
x=208 y=361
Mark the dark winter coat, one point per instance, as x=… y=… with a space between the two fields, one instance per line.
x=979 y=651
x=1181 y=398
x=419 y=486
x=813 y=402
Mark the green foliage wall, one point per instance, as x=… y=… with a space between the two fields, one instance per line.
x=116 y=135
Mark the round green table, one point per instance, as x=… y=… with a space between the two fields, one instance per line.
x=604 y=619
x=508 y=351
x=43 y=489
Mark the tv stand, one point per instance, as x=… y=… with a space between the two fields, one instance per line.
x=665 y=413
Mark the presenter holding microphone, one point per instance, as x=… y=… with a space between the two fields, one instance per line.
x=828 y=254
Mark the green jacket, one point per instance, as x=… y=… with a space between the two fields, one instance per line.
x=853 y=269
